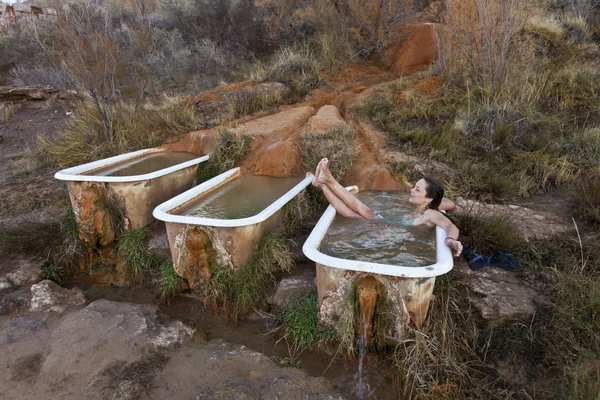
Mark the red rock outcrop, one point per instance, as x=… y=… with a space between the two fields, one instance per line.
x=274 y=153
x=412 y=49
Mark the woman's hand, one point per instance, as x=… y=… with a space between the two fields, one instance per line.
x=455 y=245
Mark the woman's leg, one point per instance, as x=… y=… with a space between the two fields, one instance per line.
x=341 y=207
x=326 y=180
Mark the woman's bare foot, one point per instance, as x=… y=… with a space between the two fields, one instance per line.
x=325 y=176
x=315 y=180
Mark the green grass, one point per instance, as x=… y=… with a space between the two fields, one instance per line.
x=170 y=283
x=301 y=322
x=230 y=148
x=53 y=272
x=488 y=234
x=133 y=246
x=238 y=292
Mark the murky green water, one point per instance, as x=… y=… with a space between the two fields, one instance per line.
x=145 y=164
x=382 y=240
x=243 y=197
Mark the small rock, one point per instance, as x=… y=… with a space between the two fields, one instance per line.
x=292 y=287
x=47 y=294
x=26 y=271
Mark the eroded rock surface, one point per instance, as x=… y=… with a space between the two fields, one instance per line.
x=111 y=350
x=227 y=371
x=18 y=272
x=530 y=224
x=500 y=295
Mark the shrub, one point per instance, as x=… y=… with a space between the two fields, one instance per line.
x=170 y=283
x=297 y=67
x=249 y=101
x=488 y=234
x=230 y=148
x=53 y=272
x=297 y=212
x=588 y=190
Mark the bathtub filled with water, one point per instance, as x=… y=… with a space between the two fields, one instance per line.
x=134 y=182
x=221 y=221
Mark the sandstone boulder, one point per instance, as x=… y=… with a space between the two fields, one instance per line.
x=18 y=272
x=327 y=117
x=500 y=295
x=105 y=333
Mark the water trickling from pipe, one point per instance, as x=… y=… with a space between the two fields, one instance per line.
x=367 y=298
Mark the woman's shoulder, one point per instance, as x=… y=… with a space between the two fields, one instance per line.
x=433 y=215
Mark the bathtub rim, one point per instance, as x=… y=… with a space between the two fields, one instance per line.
x=161 y=212
x=444 y=262
x=74 y=173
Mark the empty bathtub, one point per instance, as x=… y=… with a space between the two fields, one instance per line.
x=221 y=221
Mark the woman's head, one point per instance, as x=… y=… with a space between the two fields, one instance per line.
x=427 y=191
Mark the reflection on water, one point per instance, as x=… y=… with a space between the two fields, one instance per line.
x=382 y=240
x=145 y=164
x=243 y=197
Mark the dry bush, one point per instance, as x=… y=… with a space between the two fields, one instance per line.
x=297 y=67
x=480 y=46
x=338 y=144
x=230 y=148
x=249 y=101
x=133 y=128
x=353 y=28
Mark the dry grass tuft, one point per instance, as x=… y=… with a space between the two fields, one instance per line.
x=230 y=148
x=8 y=111
x=338 y=144
x=133 y=129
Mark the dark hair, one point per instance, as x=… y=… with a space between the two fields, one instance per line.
x=434 y=191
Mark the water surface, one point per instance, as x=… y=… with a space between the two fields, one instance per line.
x=242 y=197
x=145 y=164
x=384 y=239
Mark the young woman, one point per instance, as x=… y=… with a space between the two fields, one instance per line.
x=427 y=196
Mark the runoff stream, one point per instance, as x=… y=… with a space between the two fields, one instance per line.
x=376 y=382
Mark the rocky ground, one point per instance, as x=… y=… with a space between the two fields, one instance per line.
x=56 y=344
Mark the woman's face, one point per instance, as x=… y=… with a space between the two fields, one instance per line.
x=418 y=194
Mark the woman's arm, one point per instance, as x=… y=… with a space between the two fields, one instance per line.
x=439 y=219
x=446 y=205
